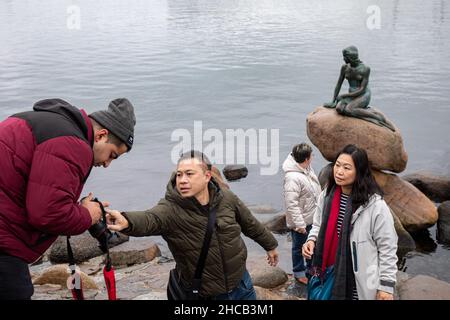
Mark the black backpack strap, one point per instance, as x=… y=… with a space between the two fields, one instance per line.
x=197 y=281
x=108 y=262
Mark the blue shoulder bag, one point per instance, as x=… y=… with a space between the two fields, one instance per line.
x=320 y=285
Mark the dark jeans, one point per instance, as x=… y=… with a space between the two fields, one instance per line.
x=15 y=279
x=244 y=291
x=298 y=262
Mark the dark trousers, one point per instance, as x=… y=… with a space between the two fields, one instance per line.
x=15 y=279
x=244 y=291
x=298 y=262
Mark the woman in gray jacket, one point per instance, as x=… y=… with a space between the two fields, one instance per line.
x=353 y=232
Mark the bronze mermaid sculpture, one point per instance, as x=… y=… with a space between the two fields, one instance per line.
x=355 y=103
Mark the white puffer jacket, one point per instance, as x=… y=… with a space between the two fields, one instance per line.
x=301 y=193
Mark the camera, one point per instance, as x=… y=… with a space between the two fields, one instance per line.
x=103 y=235
x=100 y=231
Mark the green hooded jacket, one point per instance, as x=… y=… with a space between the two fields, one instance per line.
x=182 y=223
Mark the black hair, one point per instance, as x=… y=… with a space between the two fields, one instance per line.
x=301 y=152
x=194 y=154
x=112 y=138
x=365 y=185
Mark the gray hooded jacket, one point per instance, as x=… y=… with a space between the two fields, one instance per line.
x=373 y=243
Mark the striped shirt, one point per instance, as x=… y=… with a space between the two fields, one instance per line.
x=340 y=221
x=342 y=206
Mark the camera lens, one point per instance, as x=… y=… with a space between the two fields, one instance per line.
x=100 y=232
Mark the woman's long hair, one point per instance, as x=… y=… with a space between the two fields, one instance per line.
x=364 y=185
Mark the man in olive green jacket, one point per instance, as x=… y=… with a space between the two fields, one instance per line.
x=182 y=217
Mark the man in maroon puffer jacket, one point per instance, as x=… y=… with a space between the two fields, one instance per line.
x=46 y=156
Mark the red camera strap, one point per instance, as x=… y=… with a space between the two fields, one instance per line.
x=108 y=270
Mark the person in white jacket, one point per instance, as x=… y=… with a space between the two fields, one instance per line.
x=301 y=192
x=353 y=232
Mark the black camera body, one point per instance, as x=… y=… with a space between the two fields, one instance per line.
x=100 y=231
x=103 y=235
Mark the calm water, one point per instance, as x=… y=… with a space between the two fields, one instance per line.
x=231 y=64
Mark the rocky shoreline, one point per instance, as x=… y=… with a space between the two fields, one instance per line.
x=147 y=279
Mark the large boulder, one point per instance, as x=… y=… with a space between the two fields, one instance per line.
x=424 y=288
x=268 y=277
x=264 y=275
x=277 y=224
x=405 y=241
x=138 y=250
x=412 y=207
x=84 y=247
x=59 y=275
x=331 y=132
x=437 y=188
x=443 y=230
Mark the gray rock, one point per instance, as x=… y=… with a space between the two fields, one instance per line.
x=43 y=258
x=154 y=295
x=262 y=209
x=402 y=277
x=297 y=289
x=405 y=241
x=443 y=225
x=139 y=250
x=266 y=294
x=235 y=172
x=84 y=247
x=436 y=188
x=268 y=277
x=323 y=175
x=88 y=294
x=424 y=288
x=277 y=224
x=47 y=288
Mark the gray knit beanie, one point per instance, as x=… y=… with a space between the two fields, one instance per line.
x=119 y=119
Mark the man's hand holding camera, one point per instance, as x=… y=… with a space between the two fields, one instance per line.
x=93 y=207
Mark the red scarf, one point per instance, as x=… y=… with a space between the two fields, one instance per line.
x=331 y=236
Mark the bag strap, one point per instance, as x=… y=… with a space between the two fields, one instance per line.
x=197 y=281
